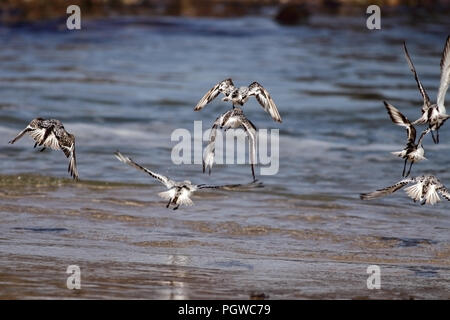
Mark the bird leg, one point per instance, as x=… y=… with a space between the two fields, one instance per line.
x=43 y=150
x=437 y=135
x=176 y=208
x=409 y=171
x=434 y=139
x=167 y=206
x=404 y=167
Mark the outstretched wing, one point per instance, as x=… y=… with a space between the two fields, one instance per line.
x=251 y=131
x=415 y=191
x=431 y=197
x=264 y=99
x=59 y=138
x=385 y=191
x=210 y=150
x=43 y=133
x=426 y=99
x=399 y=119
x=423 y=134
x=67 y=145
x=40 y=135
x=50 y=139
x=239 y=186
x=21 y=134
x=164 y=180
x=223 y=86
x=444 y=192
x=72 y=169
x=445 y=76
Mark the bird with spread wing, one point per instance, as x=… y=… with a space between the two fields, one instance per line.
x=433 y=114
x=179 y=193
x=51 y=134
x=425 y=190
x=413 y=152
x=239 y=96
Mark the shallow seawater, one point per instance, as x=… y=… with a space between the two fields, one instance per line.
x=126 y=84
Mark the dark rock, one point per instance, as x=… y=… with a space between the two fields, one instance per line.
x=292 y=14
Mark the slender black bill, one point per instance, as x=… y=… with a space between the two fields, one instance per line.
x=404 y=168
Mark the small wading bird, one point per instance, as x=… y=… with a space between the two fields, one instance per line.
x=425 y=190
x=179 y=193
x=239 y=96
x=51 y=134
x=413 y=152
x=233 y=118
x=434 y=114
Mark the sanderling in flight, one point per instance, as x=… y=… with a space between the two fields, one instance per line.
x=434 y=114
x=413 y=152
x=425 y=190
x=179 y=193
x=239 y=96
x=233 y=118
x=51 y=134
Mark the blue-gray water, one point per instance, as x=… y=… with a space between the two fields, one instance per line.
x=127 y=83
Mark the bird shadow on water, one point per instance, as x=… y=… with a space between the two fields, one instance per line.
x=233 y=264
x=35 y=229
x=409 y=242
x=425 y=271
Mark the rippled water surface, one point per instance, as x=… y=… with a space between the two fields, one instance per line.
x=127 y=83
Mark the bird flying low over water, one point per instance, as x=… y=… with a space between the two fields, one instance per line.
x=179 y=193
x=425 y=190
x=413 y=152
x=233 y=118
x=433 y=114
x=239 y=96
x=51 y=134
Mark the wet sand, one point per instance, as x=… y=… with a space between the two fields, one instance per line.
x=128 y=248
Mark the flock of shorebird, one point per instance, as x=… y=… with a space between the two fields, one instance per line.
x=426 y=187
x=52 y=134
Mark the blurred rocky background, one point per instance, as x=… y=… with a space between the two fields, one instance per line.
x=284 y=11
